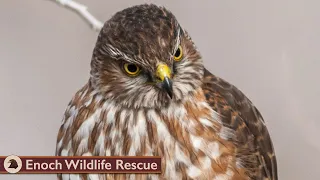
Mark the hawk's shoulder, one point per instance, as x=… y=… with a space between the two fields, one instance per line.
x=239 y=114
x=82 y=106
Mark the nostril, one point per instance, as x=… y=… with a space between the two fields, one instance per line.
x=152 y=78
x=157 y=78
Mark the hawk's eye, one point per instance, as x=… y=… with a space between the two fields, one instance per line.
x=131 y=69
x=178 y=54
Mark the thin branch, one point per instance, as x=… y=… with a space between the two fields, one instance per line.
x=82 y=11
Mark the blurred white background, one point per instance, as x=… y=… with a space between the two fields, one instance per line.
x=268 y=49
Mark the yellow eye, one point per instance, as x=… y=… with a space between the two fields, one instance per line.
x=131 y=69
x=178 y=54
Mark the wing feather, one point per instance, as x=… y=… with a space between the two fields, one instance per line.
x=252 y=136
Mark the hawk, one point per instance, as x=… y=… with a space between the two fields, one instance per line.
x=149 y=94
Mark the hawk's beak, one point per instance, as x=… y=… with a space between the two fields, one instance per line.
x=164 y=74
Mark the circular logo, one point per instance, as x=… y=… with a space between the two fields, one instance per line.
x=12 y=164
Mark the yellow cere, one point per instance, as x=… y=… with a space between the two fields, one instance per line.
x=163 y=71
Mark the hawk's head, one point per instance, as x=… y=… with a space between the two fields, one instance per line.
x=143 y=58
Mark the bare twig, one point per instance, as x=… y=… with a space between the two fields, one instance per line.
x=82 y=11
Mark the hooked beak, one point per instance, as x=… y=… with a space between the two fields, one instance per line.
x=164 y=74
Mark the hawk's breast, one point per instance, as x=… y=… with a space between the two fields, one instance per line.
x=188 y=136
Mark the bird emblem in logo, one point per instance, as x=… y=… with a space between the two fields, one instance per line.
x=12 y=164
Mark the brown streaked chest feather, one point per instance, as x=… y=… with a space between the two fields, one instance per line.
x=188 y=136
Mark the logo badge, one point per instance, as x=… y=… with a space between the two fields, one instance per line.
x=12 y=164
